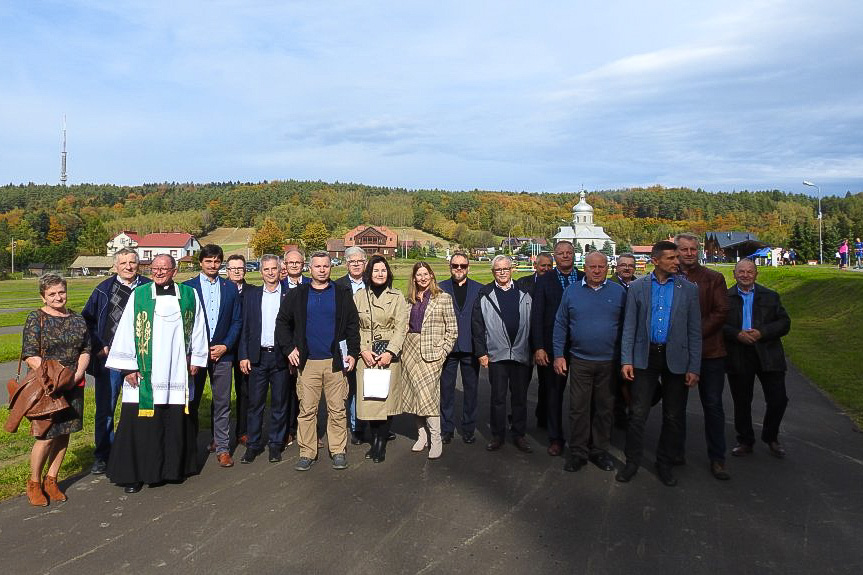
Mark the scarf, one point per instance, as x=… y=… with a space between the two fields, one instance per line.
x=145 y=306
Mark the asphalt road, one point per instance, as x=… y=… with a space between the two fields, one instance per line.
x=473 y=511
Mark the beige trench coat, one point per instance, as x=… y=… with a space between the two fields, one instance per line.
x=390 y=314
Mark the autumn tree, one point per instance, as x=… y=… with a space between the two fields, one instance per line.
x=315 y=236
x=93 y=238
x=268 y=239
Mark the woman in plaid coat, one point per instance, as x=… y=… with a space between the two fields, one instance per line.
x=432 y=331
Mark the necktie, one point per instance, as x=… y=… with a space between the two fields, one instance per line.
x=565 y=281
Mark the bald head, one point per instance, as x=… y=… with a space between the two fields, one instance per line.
x=745 y=274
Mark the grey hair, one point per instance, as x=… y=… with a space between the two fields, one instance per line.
x=48 y=280
x=269 y=258
x=626 y=255
x=501 y=257
x=567 y=242
x=320 y=254
x=598 y=254
x=355 y=250
x=292 y=250
x=687 y=236
x=169 y=256
x=124 y=252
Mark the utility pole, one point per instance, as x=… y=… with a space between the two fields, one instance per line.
x=13 y=256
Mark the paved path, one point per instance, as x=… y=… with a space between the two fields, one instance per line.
x=11 y=329
x=473 y=512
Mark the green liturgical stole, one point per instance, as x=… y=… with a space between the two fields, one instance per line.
x=145 y=305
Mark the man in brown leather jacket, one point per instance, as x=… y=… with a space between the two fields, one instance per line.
x=713 y=300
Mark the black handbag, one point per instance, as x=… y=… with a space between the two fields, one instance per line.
x=378 y=346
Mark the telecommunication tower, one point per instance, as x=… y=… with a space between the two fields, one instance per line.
x=63 y=155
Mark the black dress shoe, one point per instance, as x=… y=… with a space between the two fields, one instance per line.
x=574 y=464
x=391 y=436
x=356 y=438
x=776 y=449
x=603 y=461
x=250 y=455
x=275 y=453
x=446 y=437
x=373 y=449
x=99 y=467
x=665 y=476
x=626 y=474
x=468 y=438
x=741 y=449
x=522 y=445
x=133 y=487
x=494 y=444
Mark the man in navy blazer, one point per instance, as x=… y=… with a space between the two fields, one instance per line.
x=293 y=262
x=547 y=293
x=661 y=340
x=464 y=292
x=262 y=360
x=223 y=312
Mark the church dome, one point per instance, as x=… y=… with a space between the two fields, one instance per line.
x=582 y=207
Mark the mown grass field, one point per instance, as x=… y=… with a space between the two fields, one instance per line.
x=826 y=308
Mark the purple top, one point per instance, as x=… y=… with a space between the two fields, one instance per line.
x=418 y=312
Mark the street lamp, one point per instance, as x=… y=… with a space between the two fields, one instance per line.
x=820 y=243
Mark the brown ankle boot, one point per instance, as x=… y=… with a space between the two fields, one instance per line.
x=35 y=494
x=53 y=490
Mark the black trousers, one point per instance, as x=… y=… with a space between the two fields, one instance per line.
x=590 y=383
x=241 y=388
x=515 y=377
x=555 y=386
x=742 y=384
x=469 y=366
x=268 y=375
x=674 y=397
x=293 y=408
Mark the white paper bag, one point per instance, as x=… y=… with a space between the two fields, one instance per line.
x=376 y=383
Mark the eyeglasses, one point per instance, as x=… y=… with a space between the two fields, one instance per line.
x=459 y=266
x=161 y=270
x=355 y=262
x=501 y=270
x=236 y=269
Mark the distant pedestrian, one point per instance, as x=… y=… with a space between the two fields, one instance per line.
x=843 y=254
x=753 y=329
x=858 y=254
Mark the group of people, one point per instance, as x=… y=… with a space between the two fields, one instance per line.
x=622 y=344
x=843 y=254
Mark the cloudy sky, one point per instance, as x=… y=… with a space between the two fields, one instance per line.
x=535 y=96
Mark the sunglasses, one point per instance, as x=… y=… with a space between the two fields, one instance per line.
x=459 y=266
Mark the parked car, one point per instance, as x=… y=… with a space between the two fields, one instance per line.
x=253 y=266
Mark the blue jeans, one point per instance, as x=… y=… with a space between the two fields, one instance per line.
x=109 y=383
x=710 y=387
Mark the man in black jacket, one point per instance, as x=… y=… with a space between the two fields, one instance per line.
x=755 y=323
x=318 y=330
x=547 y=293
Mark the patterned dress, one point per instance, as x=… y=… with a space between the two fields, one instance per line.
x=63 y=339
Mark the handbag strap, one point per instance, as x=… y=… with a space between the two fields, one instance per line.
x=371 y=318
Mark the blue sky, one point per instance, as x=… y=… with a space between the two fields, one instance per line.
x=534 y=96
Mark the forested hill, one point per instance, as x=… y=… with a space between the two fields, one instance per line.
x=54 y=223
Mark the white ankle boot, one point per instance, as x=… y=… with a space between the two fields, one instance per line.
x=436 y=449
x=423 y=436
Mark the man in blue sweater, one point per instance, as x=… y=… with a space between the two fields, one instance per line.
x=590 y=316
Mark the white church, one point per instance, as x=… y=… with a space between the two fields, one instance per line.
x=582 y=231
